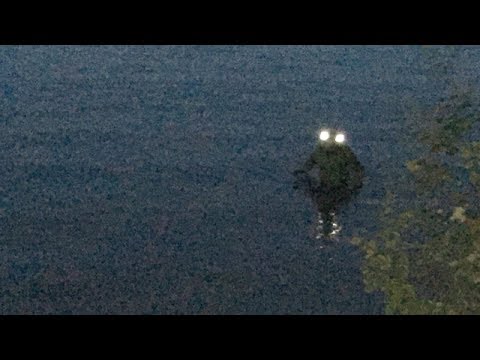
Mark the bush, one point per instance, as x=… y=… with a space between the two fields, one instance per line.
x=426 y=257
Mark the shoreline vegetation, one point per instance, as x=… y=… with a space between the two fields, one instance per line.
x=425 y=257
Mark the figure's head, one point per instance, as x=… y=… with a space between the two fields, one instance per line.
x=331 y=137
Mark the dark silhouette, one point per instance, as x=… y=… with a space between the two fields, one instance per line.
x=331 y=176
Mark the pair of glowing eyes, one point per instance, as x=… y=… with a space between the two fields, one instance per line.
x=325 y=135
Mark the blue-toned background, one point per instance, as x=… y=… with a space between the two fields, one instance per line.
x=158 y=179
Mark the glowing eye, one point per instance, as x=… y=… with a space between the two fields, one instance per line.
x=340 y=138
x=324 y=135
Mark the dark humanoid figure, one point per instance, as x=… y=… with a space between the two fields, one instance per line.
x=331 y=176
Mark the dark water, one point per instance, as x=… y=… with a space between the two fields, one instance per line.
x=158 y=179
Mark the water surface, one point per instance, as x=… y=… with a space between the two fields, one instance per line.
x=158 y=179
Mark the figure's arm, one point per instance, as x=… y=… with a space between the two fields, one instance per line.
x=303 y=179
x=356 y=170
x=309 y=164
x=314 y=158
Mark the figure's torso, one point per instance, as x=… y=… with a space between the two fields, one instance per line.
x=337 y=167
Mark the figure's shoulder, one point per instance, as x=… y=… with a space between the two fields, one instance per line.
x=319 y=150
x=318 y=154
x=349 y=152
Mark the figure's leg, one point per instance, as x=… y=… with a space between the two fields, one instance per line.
x=336 y=228
x=327 y=226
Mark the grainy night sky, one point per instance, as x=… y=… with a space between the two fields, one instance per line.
x=157 y=179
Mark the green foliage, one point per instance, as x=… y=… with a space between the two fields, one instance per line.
x=471 y=156
x=426 y=257
x=448 y=123
x=429 y=173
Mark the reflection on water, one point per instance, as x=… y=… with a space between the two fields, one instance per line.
x=330 y=177
x=327 y=226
